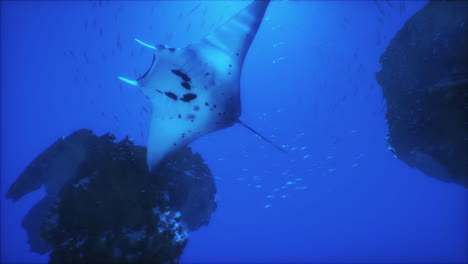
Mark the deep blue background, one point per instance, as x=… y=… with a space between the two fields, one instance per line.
x=59 y=68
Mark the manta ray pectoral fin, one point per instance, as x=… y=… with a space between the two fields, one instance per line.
x=260 y=135
x=236 y=35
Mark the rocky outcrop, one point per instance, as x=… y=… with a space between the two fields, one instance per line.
x=424 y=78
x=107 y=207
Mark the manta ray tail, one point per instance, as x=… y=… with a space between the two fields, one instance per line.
x=260 y=135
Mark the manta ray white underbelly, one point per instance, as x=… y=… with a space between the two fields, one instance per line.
x=195 y=90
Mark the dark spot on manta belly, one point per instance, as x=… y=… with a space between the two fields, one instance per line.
x=181 y=75
x=206 y=74
x=191 y=117
x=186 y=85
x=196 y=108
x=180 y=116
x=171 y=95
x=188 y=97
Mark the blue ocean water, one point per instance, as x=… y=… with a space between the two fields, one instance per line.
x=308 y=83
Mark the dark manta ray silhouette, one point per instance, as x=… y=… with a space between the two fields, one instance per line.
x=196 y=90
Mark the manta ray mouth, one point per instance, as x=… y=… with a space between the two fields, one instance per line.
x=153 y=62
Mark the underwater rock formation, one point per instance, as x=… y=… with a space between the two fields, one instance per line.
x=424 y=78
x=107 y=207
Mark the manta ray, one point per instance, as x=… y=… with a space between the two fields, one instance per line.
x=195 y=90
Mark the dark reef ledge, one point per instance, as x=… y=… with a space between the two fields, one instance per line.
x=424 y=78
x=103 y=206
